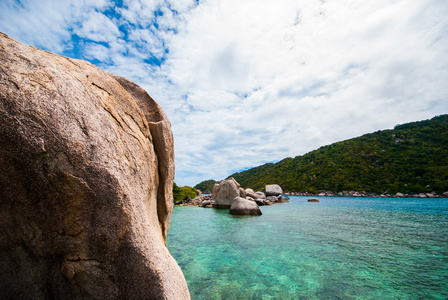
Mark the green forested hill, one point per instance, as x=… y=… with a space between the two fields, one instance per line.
x=411 y=158
x=206 y=185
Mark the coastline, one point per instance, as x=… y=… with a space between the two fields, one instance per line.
x=368 y=194
x=207 y=201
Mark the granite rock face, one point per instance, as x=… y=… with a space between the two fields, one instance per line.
x=86 y=175
x=243 y=206
x=224 y=193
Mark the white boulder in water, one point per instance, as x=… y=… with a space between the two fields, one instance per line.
x=243 y=206
x=273 y=190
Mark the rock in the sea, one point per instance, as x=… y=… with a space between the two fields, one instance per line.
x=273 y=190
x=215 y=187
x=282 y=199
x=260 y=202
x=272 y=199
x=243 y=206
x=251 y=193
x=242 y=193
x=224 y=193
x=86 y=176
x=204 y=203
x=260 y=195
x=313 y=200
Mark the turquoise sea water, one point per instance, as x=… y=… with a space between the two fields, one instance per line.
x=340 y=248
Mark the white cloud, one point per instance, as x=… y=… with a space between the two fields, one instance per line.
x=96 y=51
x=308 y=74
x=249 y=82
x=97 y=27
x=46 y=23
x=147 y=43
x=229 y=47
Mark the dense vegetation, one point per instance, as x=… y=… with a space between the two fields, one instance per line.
x=206 y=185
x=411 y=158
x=183 y=192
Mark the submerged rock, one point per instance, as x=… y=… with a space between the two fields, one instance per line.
x=282 y=199
x=313 y=200
x=87 y=168
x=243 y=206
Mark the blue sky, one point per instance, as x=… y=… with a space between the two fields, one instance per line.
x=249 y=82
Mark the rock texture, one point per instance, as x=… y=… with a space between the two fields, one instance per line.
x=251 y=193
x=86 y=174
x=224 y=193
x=260 y=195
x=273 y=190
x=243 y=206
x=270 y=200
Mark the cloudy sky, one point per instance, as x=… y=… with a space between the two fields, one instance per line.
x=245 y=82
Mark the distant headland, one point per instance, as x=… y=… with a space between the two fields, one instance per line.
x=410 y=160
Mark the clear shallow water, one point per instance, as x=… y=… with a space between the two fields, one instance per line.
x=340 y=248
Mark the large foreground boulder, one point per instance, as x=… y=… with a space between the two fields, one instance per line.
x=86 y=176
x=224 y=193
x=243 y=206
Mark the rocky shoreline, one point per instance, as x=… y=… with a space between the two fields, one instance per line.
x=208 y=202
x=368 y=194
x=272 y=194
x=228 y=191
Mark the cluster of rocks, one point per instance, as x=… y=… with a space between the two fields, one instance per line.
x=368 y=194
x=202 y=201
x=272 y=194
x=229 y=194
